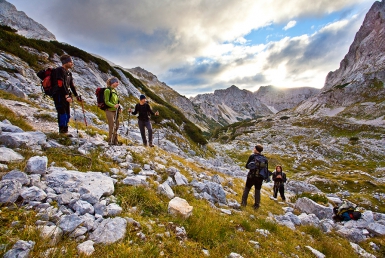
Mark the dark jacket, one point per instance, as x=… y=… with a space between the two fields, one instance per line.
x=62 y=82
x=275 y=179
x=251 y=158
x=144 y=111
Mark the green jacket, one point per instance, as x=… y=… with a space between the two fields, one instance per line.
x=111 y=102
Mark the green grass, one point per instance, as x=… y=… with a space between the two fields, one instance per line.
x=14 y=119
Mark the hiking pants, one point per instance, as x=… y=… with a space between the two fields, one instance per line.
x=63 y=112
x=257 y=183
x=110 y=119
x=145 y=124
x=279 y=187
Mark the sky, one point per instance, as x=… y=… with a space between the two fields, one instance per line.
x=198 y=46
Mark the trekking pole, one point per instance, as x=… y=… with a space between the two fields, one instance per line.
x=76 y=124
x=84 y=114
x=128 y=122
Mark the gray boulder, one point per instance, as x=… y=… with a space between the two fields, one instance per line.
x=6 y=126
x=69 y=223
x=96 y=183
x=9 y=155
x=310 y=207
x=109 y=231
x=32 y=140
x=299 y=187
x=37 y=165
x=20 y=250
x=18 y=176
x=33 y=193
x=9 y=191
x=135 y=180
x=166 y=190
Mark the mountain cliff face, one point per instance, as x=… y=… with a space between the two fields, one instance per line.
x=278 y=99
x=356 y=89
x=230 y=105
x=24 y=25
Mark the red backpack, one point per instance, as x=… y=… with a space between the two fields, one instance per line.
x=45 y=76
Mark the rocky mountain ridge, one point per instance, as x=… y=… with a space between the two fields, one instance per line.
x=24 y=25
x=356 y=89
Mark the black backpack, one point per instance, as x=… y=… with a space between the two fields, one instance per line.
x=259 y=167
x=46 y=77
x=100 y=98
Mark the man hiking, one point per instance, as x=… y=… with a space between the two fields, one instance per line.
x=144 y=110
x=63 y=89
x=254 y=178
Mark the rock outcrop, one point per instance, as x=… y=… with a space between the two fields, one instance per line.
x=24 y=25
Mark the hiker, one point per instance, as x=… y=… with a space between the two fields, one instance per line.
x=253 y=177
x=63 y=89
x=144 y=110
x=111 y=99
x=279 y=178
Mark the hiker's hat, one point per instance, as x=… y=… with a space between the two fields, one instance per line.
x=142 y=97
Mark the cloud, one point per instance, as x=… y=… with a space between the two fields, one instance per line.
x=289 y=25
x=190 y=42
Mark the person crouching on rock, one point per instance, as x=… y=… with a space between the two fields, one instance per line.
x=279 y=178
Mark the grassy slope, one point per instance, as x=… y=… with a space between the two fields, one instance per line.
x=207 y=228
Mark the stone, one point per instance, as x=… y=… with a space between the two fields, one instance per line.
x=96 y=183
x=135 y=180
x=376 y=228
x=33 y=193
x=317 y=253
x=113 y=209
x=17 y=175
x=32 y=140
x=166 y=190
x=20 y=249
x=9 y=155
x=109 y=231
x=52 y=234
x=82 y=207
x=69 y=223
x=308 y=206
x=180 y=179
x=6 y=126
x=101 y=209
x=180 y=207
x=353 y=234
x=360 y=251
x=37 y=165
x=86 y=248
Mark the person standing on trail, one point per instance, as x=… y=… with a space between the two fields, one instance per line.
x=111 y=99
x=253 y=177
x=279 y=178
x=63 y=89
x=144 y=110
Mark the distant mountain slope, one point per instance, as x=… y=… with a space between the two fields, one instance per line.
x=357 y=89
x=24 y=25
x=278 y=99
x=171 y=96
x=230 y=105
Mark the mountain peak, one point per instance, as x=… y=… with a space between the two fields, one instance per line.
x=366 y=53
x=24 y=25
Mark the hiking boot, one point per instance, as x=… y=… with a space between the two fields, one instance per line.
x=151 y=145
x=256 y=207
x=145 y=144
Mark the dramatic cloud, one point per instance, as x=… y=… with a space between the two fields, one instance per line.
x=198 y=44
